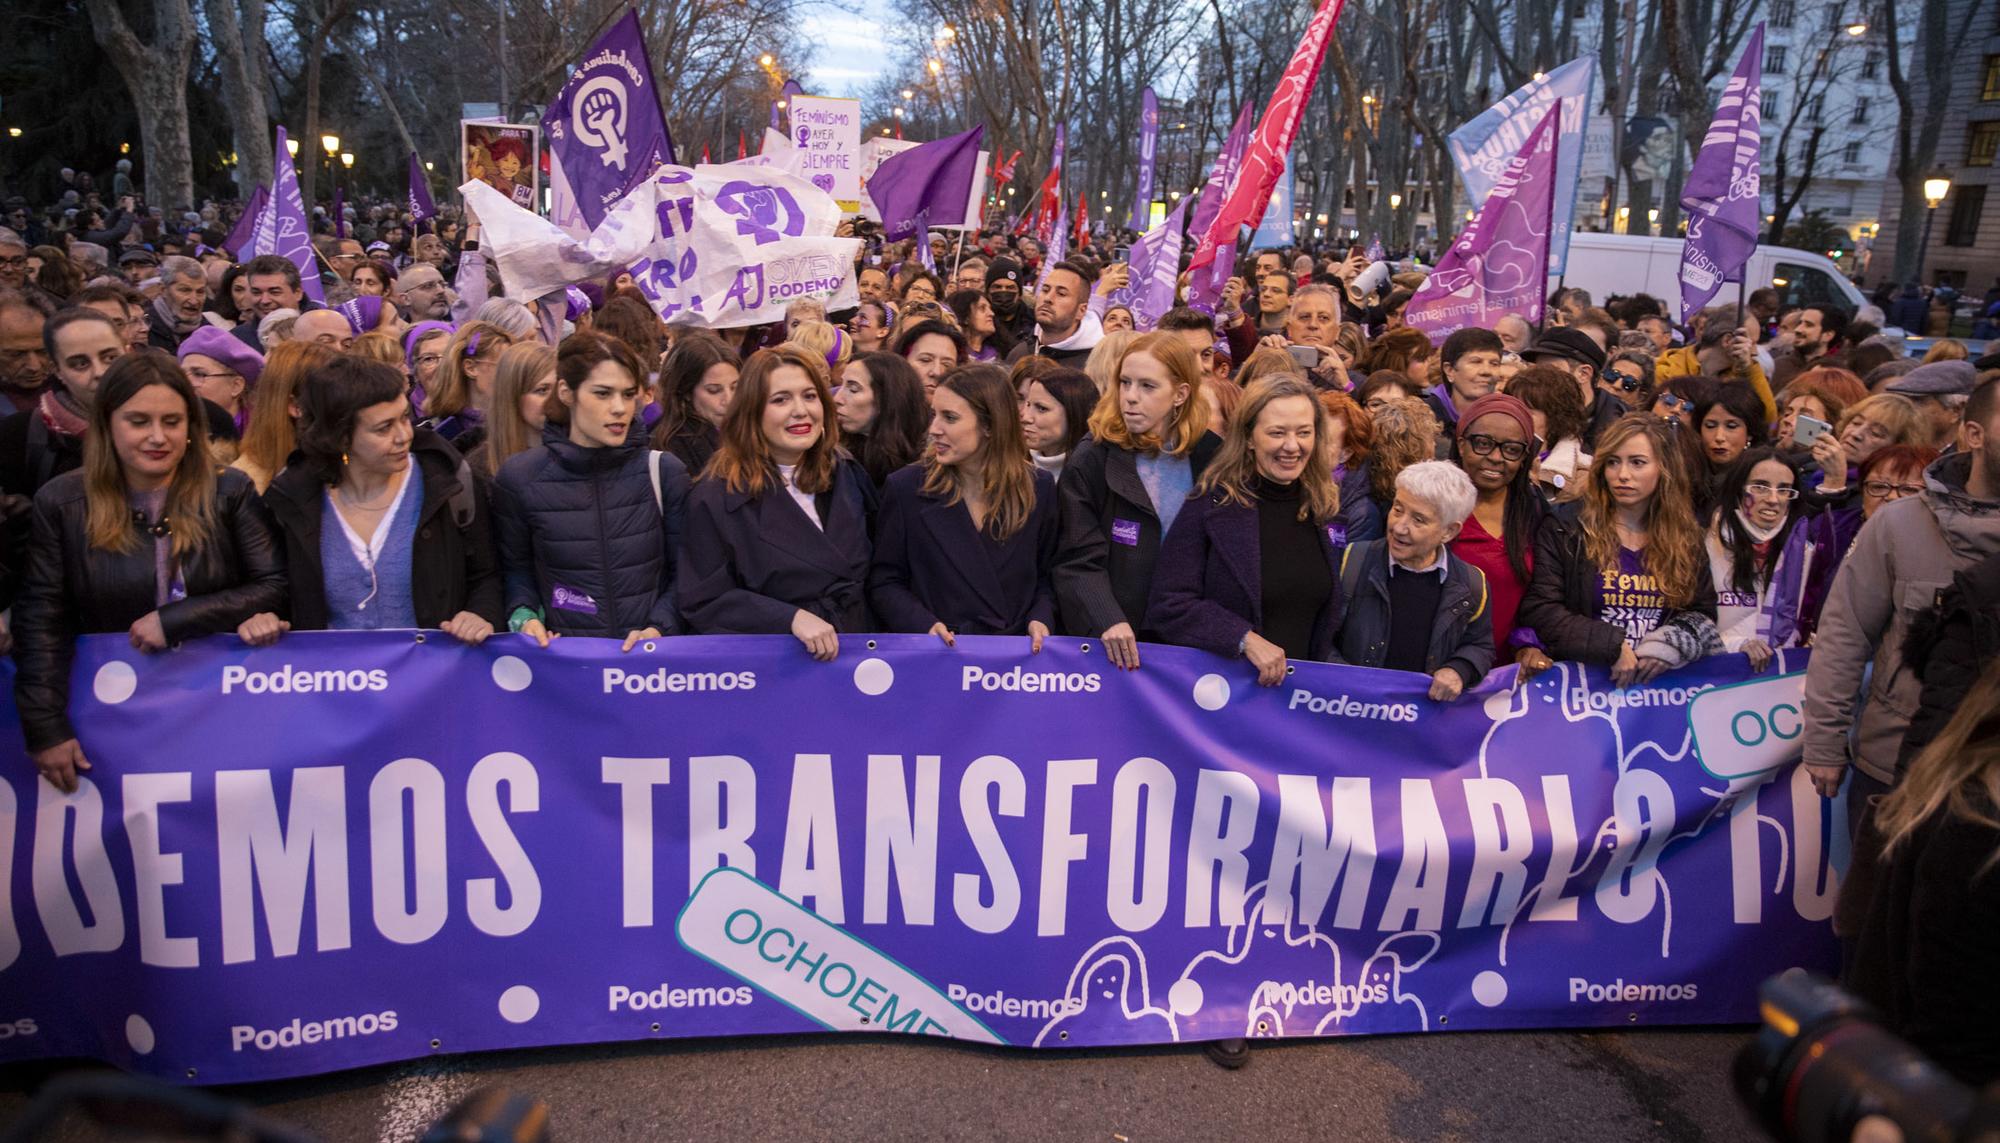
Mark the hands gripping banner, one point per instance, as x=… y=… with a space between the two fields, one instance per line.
x=355 y=848
x=715 y=246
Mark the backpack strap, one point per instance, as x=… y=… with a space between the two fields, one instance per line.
x=1350 y=569
x=461 y=497
x=653 y=470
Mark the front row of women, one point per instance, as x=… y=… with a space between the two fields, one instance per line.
x=377 y=524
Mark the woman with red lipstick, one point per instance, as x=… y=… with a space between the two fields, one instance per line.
x=967 y=538
x=1626 y=584
x=777 y=527
x=384 y=526
x=589 y=522
x=1727 y=423
x=146 y=538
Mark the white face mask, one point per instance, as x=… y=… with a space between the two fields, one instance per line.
x=1761 y=535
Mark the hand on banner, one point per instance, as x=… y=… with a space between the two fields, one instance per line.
x=147 y=634
x=1267 y=657
x=1760 y=654
x=817 y=634
x=1037 y=631
x=1634 y=669
x=1117 y=276
x=632 y=637
x=1529 y=662
x=1831 y=457
x=1446 y=685
x=468 y=628
x=1825 y=779
x=1122 y=644
x=262 y=629
x=61 y=763
x=538 y=631
x=944 y=633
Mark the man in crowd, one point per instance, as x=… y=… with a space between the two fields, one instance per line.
x=1003 y=293
x=872 y=284
x=1194 y=328
x=1065 y=329
x=1940 y=390
x=971 y=274
x=45 y=441
x=177 y=311
x=324 y=327
x=423 y=293
x=119 y=303
x=1575 y=353
x=1471 y=362
x=1274 y=297
x=1815 y=342
x=274 y=285
x=13 y=261
x=1515 y=334
x=1658 y=330
x=24 y=357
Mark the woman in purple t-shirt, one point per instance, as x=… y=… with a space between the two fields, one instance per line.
x=1625 y=583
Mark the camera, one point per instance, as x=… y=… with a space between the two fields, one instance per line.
x=1823 y=1070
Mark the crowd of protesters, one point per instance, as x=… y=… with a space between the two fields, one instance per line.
x=997 y=448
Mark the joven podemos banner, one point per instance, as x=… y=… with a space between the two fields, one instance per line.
x=350 y=849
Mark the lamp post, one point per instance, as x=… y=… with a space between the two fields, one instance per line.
x=1936 y=187
x=331 y=143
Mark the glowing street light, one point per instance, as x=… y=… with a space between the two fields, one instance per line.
x=13 y=132
x=766 y=60
x=949 y=32
x=1395 y=201
x=331 y=143
x=292 y=145
x=1857 y=29
x=936 y=65
x=908 y=95
x=347 y=159
x=429 y=166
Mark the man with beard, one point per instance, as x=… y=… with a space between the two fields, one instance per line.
x=1065 y=329
x=177 y=311
x=1003 y=292
x=423 y=293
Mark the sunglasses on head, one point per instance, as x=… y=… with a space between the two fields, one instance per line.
x=1673 y=402
x=1624 y=382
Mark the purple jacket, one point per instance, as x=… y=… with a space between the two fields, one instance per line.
x=1208 y=588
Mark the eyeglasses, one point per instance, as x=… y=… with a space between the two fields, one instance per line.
x=210 y=375
x=1624 y=381
x=1765 y=491
x=1484 y=446
x=1672 y=402
x=1882 y=489
x=430 y=359
x=20 y=263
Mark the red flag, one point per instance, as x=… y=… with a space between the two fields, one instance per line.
x=742 y=145
x=1264 y=160
x=704 y=154
x=1082 y=221
x=1004 y=172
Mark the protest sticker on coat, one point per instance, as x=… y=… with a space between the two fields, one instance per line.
x=418 y=847
x=712 y=246
x=828 y=131
x=503 y=156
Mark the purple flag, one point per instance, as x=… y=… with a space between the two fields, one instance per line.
x=239 y=236
x=1722 y=194
x=339 y=212
x=785 y=94
x=420 y=204
x=929 y=179
x=1500 y=265
x=1222 y=175
x=605 y=123
x=1057 y=247
x=281 y=228
x=1156 y=265
x=1149 y=142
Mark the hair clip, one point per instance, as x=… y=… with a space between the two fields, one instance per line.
x=472 y=345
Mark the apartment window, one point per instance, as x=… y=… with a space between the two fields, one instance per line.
x=1982 y=143
x=1966 y=205
x=1871 y=64
x=1816 y=110
x=1783 y=12
x=1774 y=62
x=1989 y=89
x=1768 y=109
x=1859 y=115
x=1851 y=154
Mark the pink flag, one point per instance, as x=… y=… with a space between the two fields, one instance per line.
x=1265 y=160
x=1500 y=265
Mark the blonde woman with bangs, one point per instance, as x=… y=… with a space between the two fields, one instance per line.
x=523 y=386
x=1250 y=567
x=146 y=539
x=1122 y=487
x=456 y=409
x=966 y=539
x=1626 y=585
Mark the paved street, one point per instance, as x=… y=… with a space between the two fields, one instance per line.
x=1544 y=1087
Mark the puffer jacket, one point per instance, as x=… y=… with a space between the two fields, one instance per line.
x=1903 y=560
x=72 y=589
x=583 y=541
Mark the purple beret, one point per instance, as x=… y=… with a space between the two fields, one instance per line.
x=363 y=313
x=220 y=344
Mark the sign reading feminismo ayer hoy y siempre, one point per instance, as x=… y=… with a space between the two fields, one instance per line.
x=829 y=132
x=415 y=847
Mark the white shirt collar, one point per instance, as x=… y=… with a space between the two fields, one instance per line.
x=1440 y=566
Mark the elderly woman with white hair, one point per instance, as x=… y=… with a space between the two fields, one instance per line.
x=1410 y=605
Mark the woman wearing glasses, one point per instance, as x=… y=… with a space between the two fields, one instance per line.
x=1770 y=557
x=1677 y=398
x=1628 y=376
x=1496 y=436
x=384 y=526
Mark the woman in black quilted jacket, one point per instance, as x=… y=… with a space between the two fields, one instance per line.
x=589 y=522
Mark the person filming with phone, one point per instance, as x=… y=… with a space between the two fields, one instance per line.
x=1312 y=321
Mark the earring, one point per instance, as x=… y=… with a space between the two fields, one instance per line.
x=343 y=460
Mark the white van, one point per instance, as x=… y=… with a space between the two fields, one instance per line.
x=1607 y=264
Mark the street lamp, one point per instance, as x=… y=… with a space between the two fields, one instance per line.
x=331 y=143
x=936 y=65
x=1395 y=201
x=13 y=132
x=908 y=95
x=1857 y=29
x=292 y=147
x=766 y=60
x=1936 y=187
x=347 y=159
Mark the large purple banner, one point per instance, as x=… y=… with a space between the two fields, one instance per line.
x=605 y=124
x=350 y=849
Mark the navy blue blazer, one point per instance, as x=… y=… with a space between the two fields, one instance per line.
x=931 y=566
x=1208 y=590
x=751 y=563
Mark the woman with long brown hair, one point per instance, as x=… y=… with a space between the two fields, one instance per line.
x=696 y=385
x=268 y=442
x=965 y=541
x=146 y=538
x=522 y=389
x=1148 y=446
x=880 y=409
x=777 y=532
x=1626 y=584
x=456 y=409
x=1250 y=566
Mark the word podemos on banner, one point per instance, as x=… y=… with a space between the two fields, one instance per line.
x=351 y=848
x=713 y=246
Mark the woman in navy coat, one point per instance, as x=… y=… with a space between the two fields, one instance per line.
x=777 y=527
x=1250 y=566
x=967 y=538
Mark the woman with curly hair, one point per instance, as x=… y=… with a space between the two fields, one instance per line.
x=1560 y=420
x=1406 y=432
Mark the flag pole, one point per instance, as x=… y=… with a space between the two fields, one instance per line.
x=1555 y=144
x=958 y=255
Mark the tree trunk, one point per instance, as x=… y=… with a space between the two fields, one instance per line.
x=156 y=74
x=308 y=156
x=239 y=47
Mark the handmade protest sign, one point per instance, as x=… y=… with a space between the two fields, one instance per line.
x=828 y=131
